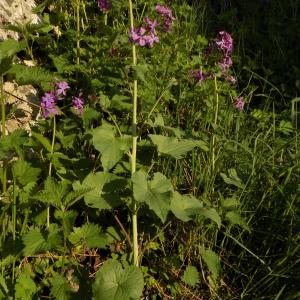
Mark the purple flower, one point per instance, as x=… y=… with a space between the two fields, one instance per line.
x=225 y=42
x=225 y=63
x=62 y=87
x=78 y=104
x=48 y=104
x=138 y=36
x=164 y=10
x=199 y=75
x=239 y=103
x=168 y=18
x=104 y=5
x=151 y=24
x=230 y=79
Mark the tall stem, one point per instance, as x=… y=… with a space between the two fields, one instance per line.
x=50 y=165
x=3 y=116
x=14 y=221
x=78 y=31
x=215 y=123
x=134 y=146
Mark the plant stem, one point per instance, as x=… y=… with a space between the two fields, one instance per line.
x=50 y=165
x=14 y=221
x=105 y=18
x=215 y=123
x=134 y=147
x=78 y=31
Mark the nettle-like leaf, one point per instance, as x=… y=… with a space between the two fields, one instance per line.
x=25 y=287
x=112 y=148
x=172 y=146
x=115 y=283
x=42 y=140
x=191 y=276
x=212 y=261
x=185 y=207
x=210 y=213
x=67 y=219
x=30 y=75
x=90 y=235
x=36 y=241
x=60 y=288
x=233 y=178
x=54 y=193
x=156 y=193
x=25 y=173
x=104 y=190
x=236 y=219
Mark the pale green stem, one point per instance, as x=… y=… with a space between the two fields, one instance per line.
x=215 y=123
x=3 y=116
x=105 y=18
x=134 y=147
x=78 y=31
x=50 y=165
x=14 y=221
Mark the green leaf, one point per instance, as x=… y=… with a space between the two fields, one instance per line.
x=25 y=287
x=105 y=188
x=115 y=283
x=191 y=276
x=60 y=288
x=212 y=261
x=36 y=241
x=172 y=146
x=67 y=219
x=210 y=213
x=30 y=75
x=111 y=148
x=233 y=178
x=156 y=193
x=44 y=141
x=90 y=235
x=25 y=173
x=185 y=207
x=10 y=47
x=54 y=193
x=236 y=219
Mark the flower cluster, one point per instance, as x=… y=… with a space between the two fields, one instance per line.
x=225 y=43
x=49 y=100
x=239 y=103
x=146 y=35
x=167 y=16
x=104 y=5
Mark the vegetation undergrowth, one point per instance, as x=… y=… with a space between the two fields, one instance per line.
x=160 y=166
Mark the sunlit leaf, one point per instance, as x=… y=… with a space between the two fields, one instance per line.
x=212 y=261
x=157 y=193
x=191 y=276
x=115 y=283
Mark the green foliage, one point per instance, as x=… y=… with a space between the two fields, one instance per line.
x=25 y=287
x=111 y=148
x=191 y=276
x=114 y=282
x=156 y=193
x=60 y=288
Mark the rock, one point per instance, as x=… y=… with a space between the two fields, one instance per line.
x=14 y=12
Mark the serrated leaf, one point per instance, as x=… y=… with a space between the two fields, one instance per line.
x=25 y=287
x=105 y=188
x=210 y=213
x=10 y=47
x=67 y=219
x=38 y=241
x=111 y=148
x=172 y=146
x=212 y=261
x=236 y=219
x=44 y=141
x=30 y=75
x=115 y=283
x=60 y=288
x=90 y=235
x=156 y=193
x=25 y=173
x=191 y=276
x=233 y=178
x=185 y=207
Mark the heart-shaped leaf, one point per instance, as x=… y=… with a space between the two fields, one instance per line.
x=115 y=283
